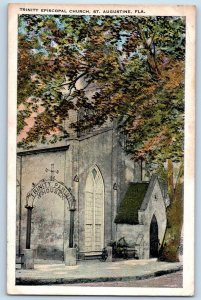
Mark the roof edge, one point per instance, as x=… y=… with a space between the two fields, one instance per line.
x=149 y=191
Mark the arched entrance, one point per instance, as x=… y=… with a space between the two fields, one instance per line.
x=154 y=241
x=94 y=211
x=47 y=233
x=48 y=218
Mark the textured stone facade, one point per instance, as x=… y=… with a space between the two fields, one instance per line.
x=50 y=225
x=100 y=154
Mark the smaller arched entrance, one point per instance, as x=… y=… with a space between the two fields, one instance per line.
x=154 y=241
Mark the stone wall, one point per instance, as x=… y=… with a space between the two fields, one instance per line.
x=50 y=215
x=96 y=151
x=155 y=206
x=133 y=234
x=50 y=212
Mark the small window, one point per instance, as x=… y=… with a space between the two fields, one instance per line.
x=94 y=172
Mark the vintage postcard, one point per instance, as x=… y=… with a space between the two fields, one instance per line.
x=101 y=103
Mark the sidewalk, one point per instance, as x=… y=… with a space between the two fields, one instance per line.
x=94 y=271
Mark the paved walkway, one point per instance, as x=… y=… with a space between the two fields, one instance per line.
x=94 y=271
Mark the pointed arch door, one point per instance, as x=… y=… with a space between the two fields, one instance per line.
x=94 y=211
x=154 y=241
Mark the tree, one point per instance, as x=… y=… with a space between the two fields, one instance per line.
x=136 y=65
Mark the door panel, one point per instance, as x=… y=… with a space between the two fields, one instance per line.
x=94 y=211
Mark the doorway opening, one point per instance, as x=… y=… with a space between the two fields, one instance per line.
x=154 y=241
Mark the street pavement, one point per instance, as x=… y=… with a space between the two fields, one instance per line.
x=95 y=271
x=172 y=280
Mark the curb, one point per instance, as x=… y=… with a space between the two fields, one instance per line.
x=51 y=281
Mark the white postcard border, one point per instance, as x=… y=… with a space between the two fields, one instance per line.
x=189 y=171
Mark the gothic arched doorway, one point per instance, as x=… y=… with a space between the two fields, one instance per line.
x=154 y=241
x=94 y=211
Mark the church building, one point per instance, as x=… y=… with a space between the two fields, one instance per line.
x=84 y=192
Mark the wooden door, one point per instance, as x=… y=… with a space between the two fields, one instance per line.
x=94 y=211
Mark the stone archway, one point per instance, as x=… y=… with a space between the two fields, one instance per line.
x=45 y=186
x=42 y=189
x=154 y=241
x=48 y=228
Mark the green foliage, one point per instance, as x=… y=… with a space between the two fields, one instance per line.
x=135 y=63
x=128 y=211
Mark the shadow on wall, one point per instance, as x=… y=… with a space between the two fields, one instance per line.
x=49 y=253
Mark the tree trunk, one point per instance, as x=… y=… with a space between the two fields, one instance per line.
x=170 y=246
x=170 y=176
